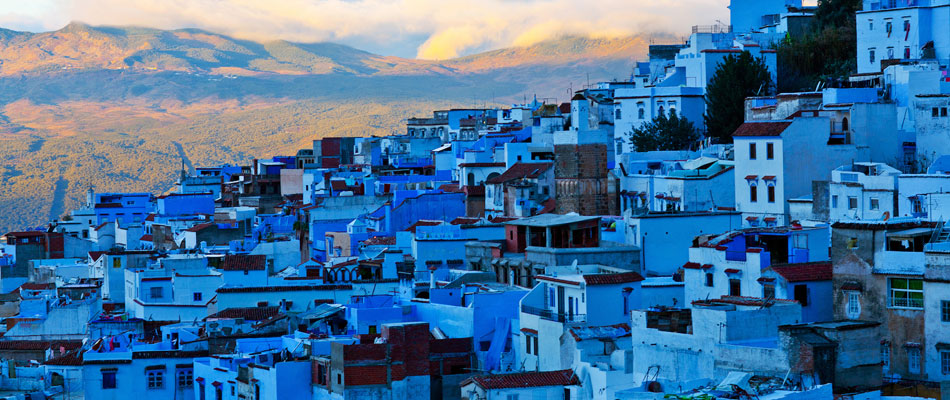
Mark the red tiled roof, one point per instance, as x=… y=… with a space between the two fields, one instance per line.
x=769 y=177
x=769 y=219
x=146 y=238
x=741 y=301
x=501 y=219
x=150 y=218
x=529 y=331
x=450 y=188
x=564 y=108
x=199 y=227
x=751 y=177
x=247 y=313
x=283 y=288
x=94 y=255
x=691 y=265
x=25 y=234
x=38 y=345
x=762 y=128
x=481 y=164
x=422 y=222
x=465 y=221
x=380 y=240
x=732 y=271
x=721 y=51
x=816 y=271
x=612 y=279
x=244 y=262
x=525 y=379
x=38 y=286
x=102 y=225
x=73 y=358
x=521 y=171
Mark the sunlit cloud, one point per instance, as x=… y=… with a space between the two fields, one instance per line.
x=430 y=29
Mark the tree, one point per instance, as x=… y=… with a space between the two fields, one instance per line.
x=826 y=51
x=664 y=133
x=736 y=78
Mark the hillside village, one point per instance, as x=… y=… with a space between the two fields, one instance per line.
x=531 y=252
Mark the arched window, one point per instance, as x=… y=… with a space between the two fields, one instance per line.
x=844 y=124
x=470 y=179
x=640 y=113
x=660 y=111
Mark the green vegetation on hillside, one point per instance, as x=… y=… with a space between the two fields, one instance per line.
x=827 y=51
x=736 y=78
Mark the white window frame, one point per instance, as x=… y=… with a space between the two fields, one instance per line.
x=945 y=362
x=913 y=360
x=908 y=303
x=854 y=304
x=155 y=379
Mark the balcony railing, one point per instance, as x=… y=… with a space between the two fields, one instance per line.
x=712 y=28
x=554 y=316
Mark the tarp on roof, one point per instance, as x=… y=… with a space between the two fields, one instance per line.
x=322 y=311
x=911 y=233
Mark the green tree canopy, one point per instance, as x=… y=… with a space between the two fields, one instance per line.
x=736 y=77
x=825 y=52
x=664 y=133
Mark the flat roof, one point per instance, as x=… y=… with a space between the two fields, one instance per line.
x=552 y=219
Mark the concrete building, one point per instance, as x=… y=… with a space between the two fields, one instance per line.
x=863 y=191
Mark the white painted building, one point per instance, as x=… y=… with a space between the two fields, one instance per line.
x=731 y=264
x=902 y=30
x=696 y=185
x=863 y=191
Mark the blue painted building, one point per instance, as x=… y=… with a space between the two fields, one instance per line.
x=122 y=207
x=178 y=204
x=810 y=284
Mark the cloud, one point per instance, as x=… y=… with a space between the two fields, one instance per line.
x=431 y=29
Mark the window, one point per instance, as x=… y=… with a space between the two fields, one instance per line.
x=186 y=378
x=945 y=362
x=672 y=106
x=753 y=194
x=768 y=291
x=854 y=305
x=618 y=114
x=906 y=293
x=534 y=344
x=640 y=111
x=906 y=25
x=890 y=53
x=870 y=24
x=888 y=27
x=934 y=112
x=885 y=355
x=852 y=203
x=527 y=344
x=155 y=292
x=552 y=297
x=945 y=311
x=913 y=360
x=108 y=379
x=801 y=295
x=116 y=262
x=196 y=296
x=943 y=111
x=155 y=379
x=906 y=52
x=771 y=193
x=735 y=287
x=512 y=397
x=660 y=111
x=871 y=55
x=709 y=279
x=752 y=151
x=770 y=151
x=834 y=201
x=875 y=203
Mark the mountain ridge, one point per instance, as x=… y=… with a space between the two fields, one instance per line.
x=83 y=46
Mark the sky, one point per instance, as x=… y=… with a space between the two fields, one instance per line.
x=428 y=29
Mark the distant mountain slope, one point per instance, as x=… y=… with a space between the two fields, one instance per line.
x=109 y=107
x=84 y=47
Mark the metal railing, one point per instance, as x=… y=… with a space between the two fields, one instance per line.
x=712 y=28
x=554 y=316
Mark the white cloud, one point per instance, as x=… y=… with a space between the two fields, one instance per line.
x=427 y=28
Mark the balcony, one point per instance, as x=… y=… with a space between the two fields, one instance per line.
x=712 y=28
x=553 y=316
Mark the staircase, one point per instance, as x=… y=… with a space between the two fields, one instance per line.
x=940 y=240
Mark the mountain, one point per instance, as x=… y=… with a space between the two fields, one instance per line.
x=120 y=108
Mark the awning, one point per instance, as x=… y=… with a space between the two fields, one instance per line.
x=769 y=177
x=751 y=177
x=911 y=233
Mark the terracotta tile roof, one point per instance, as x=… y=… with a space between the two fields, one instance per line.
x=25 y=234
x=282 y=288
x=247 y=313
x=612 y=279
x=501 y=219
x=816 y=271
x=741 y=301
x=732 y=271
x=521 y=171
x=380 y=240
x=762 y=128
x=244 y=262
x=38 y=286
x=146 y=238
x=150 y=218
x=73 y=358
x=423 y=222
x=474 y=190
x=450 y=188
x=481 y=164
x=695 y=265
x=94 y=255
x=38 y=345
x=199 y=227
x=525 y=379
x=465 y=221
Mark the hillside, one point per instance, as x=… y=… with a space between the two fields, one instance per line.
x=120 y=108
